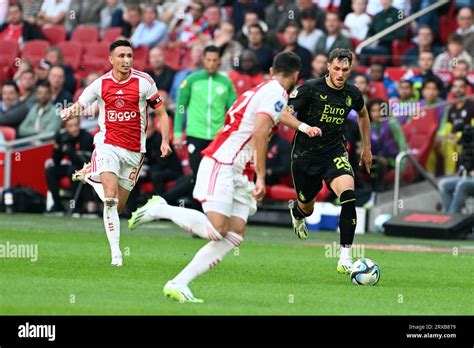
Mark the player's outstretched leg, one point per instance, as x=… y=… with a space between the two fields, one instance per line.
x=191 y=220
x=347 y=226
x=86 y=176
x=298 y=220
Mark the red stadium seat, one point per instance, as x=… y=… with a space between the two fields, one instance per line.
x=85 y=34
x=397 y=74
x=111 y=34
x=399 y=48
x=9 y=133
x=9 y=50
x=286 y=132
x=55 y=34
x=140 y=57
x=172 y=57
x=65 y=182
x=244 y=82
x=377 y=91
x=72 y=53
x=34 y=50
x=95 y=57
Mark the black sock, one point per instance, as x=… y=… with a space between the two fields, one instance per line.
x=297 y=212
x=348 y=219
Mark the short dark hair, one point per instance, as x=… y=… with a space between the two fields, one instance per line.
x=12 y=84
x=255 y=25
x=380 y=64
x=292 y=24
x=20 y=7
x=212 y=48
x=456 y=38
x=459 y=78
x=406 y=81
x=430 y=79
x=340 y=54
x=286 y=63
x=45 y=84
x=364 y=76
x=119 y=43
x=308 y=14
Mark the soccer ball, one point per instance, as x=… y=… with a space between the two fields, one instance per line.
x=365 y=272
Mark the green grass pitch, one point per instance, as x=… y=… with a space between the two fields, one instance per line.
x=272 y=273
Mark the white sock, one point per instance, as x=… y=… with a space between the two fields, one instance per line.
x=190 y=220
x=94 y=181
x=112 y=224
x=207 y=257
x=345 y=253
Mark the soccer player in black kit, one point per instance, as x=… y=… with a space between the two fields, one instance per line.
x=322 y=105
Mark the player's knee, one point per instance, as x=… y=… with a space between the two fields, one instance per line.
x=347 y=200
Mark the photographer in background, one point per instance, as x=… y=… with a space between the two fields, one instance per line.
x=455 y=190
x=73 y=148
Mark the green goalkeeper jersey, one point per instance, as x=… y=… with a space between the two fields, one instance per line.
x=204 y=100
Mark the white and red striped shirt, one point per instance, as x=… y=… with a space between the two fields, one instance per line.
x=232 y=145
x=123 y=108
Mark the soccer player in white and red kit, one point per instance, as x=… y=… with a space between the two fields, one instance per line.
x=124 y=96
x=224 y=182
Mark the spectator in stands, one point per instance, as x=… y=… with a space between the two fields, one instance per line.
x=160 y=170
x=425 y=65
x=309 y=35
x=194 y=65
x=430 y=19
x=358 y=22
x=241 y=8
x=318 y=13
x=256 y=43
x=59 y=94
x=461 y=70
x=431 y=91
x=132 y=19
x=362 y=82
x=42 y=70
x=247 y=74
x=86 y=12
x=212 y=15
x=455 y=52
x=290 y=36
x=405 y=101
x=278 y=15
x=466 y=28
x=193 y=101
x=459 y=115
x=251 y=18
x=387 y=140
x=425 y=42
x=43 y=116
x=26 y=84
x=72 y=149
x=382 y=20
x=192 y=24
x=16 y=29
x=334 y=37
x=377 y=74
x=31 y=9
x=162 y=74
x=454 y=192
x=230 y=48
x=25 y=65
x=319 y=65
x=55 y=57
x=111 y=15
x=278 y=159
x=151 y=31
x=12 y=111
x=53 y=12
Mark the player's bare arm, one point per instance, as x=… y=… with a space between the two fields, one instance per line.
x=289 y=120
x=73 y=111
x=164 y=127
x=364 y=126
x=263 y=125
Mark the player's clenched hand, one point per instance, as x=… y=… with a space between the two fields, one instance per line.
x=366 y=158
x=165 y=149
x=70 y=112
x=314 y=132
x=259 y=190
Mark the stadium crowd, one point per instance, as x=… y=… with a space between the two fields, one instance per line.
x=417 y=77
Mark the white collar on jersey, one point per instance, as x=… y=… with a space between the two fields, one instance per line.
x=121 y=81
